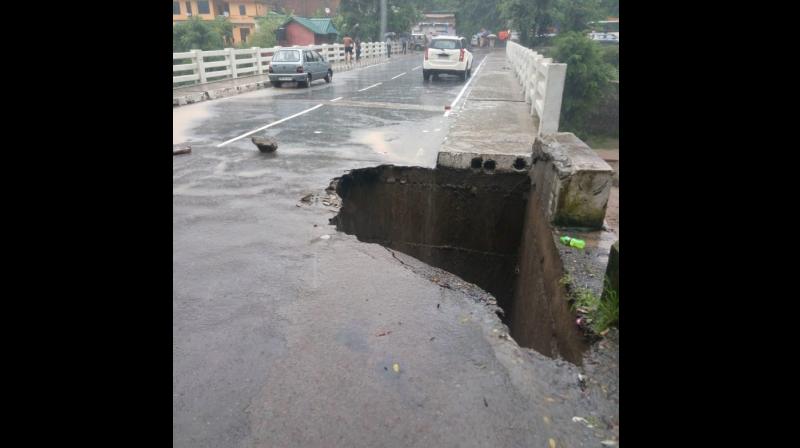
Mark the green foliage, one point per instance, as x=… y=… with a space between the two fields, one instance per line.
x=339 y=23
x=609 y=8
x=587 y=79
x=530 y=18
x=401 y=17
x=267 y=34
x=611 y=55
x=196 y=34
x=476 y=14
x=361 y=18
x=575 y=15
x=224 y=27
x=607 y=314
x=601 y=313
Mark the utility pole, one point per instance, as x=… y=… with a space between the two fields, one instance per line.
x=383 y=20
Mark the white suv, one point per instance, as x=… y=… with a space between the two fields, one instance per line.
x=448 y=55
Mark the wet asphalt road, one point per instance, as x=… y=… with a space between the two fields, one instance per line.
x=282 y=338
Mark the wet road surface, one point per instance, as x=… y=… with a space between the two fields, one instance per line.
x=284 y=338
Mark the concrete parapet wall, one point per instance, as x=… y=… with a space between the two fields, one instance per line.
x=220 y=89
x=573 y=180
x=543 y=82
x=192 y=67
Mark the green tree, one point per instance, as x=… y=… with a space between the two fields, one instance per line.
x=361 y=18
x=267 y=34
x=529 y=17
x=587 y=79
x=476 y=14
x=609 y=8
x=401 y=18
x=224 y=27
x=575 y=15
x=196 y=34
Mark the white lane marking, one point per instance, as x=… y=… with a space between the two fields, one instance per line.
x=401 y=74
x=416 y=68
x=374 y=65
x=337 y=99
x=453 y=104
x=270 y=125
x=374 y=85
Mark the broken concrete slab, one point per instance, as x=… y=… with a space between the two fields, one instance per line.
x=576 y=181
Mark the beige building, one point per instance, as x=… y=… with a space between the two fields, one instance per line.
x=241 y=13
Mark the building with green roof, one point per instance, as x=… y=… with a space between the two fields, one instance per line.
x=304 y=31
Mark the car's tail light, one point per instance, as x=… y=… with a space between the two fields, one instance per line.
x=426 y=53
x=300 y=69
x=461 y=57
x=269 y=69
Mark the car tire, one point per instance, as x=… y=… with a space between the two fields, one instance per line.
x=306 y=83
x=463 y=75
x=276 y=83
x=426 y=75
x=329 y=76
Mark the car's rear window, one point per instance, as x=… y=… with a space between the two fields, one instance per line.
x=286 y=56
x=445 y=44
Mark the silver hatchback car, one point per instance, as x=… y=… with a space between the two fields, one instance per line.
x=298 y=65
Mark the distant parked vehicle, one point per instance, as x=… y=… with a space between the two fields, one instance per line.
x=447 y=55
x=605 y=31
x=300 y=66
x=418 y=41
x=605 y=37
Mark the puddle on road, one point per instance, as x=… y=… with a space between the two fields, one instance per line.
x=185 y=118
x=402 y=144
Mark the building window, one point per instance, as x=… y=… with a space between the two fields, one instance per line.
x=176 y=8
x=242 y=10
x=202 y=8
x=188 y=8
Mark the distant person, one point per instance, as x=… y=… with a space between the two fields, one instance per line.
x=358 y=49
x=389 y=47
x=404 y=41
x=348 y=48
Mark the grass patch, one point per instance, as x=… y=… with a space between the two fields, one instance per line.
x=601 y=313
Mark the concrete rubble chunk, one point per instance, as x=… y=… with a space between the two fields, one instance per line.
x=181 y=149
x=265 y=144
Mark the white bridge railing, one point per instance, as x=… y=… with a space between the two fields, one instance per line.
x=543 y=82
x=199 y=67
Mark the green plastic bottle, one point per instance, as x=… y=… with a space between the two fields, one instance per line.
x=573 y=242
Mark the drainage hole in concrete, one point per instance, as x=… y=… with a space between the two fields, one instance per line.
x=519 y=164
x=476 y=163
x=489 y=165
